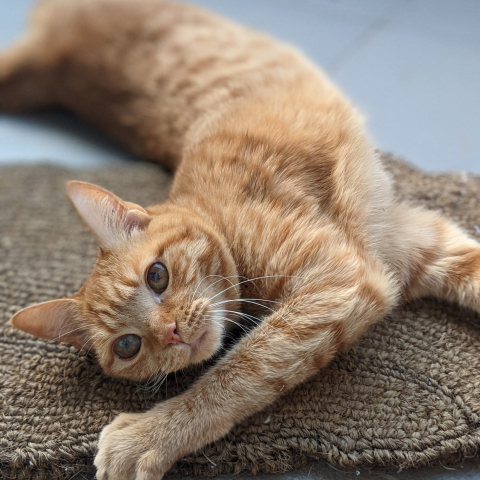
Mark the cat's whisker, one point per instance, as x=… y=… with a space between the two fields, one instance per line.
x=159 y=378
x=255 y=320
x=211 y=285
x=78 y=354
x=226 y=333
x=241 y=314
x=212 y=319
x=281 y=304
x=153 y=384
x=233 y=321
x=158 y=385
x=192 y=296
x=74 y=330
x=91 y=339
x=146 y=383
x=152 y=380
x=268 y=308
x=252 y=280
x=144 y=388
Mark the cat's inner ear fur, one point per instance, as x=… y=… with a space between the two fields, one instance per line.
x=110 y=219
x=54 y=320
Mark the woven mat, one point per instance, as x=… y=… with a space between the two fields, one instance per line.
x=406 y=395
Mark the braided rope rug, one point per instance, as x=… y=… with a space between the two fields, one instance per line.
x=407 y=394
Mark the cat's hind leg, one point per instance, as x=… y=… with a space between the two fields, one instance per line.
x=437 y=258
x=24 y=85
x=27 y=79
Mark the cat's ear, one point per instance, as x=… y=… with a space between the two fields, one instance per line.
x=110 y=219
x=54 y=320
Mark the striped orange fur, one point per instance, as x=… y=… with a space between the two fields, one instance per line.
x=280 y=218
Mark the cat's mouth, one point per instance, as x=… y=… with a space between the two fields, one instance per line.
x=200 y=348
x=197 y=344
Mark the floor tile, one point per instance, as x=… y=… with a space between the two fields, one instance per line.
x=58 y=138
x=453 y=22
x=321 y=37
x=412 y=66
x=13 y=19
x=347 y=10
x=320 y=470
x=421 y=97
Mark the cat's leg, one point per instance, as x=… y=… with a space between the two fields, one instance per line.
x=27 y=79
x=436 y=258
x=288 y=347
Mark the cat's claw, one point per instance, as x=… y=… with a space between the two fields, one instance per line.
x=131 y=448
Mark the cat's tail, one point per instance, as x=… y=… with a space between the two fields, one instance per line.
x=27 y=68
x=436 y=258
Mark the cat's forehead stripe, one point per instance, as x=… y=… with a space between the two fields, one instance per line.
x=173 y=239
x=101 y=314
x=128 y=282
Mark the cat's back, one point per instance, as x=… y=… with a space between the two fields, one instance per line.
x=154 y=73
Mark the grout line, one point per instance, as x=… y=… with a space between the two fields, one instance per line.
x=362 y=39
x=295 y=6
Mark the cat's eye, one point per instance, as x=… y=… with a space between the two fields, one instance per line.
x=157 y=278
x=127 y=346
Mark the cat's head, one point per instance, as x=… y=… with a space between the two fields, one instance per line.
x=153 y=302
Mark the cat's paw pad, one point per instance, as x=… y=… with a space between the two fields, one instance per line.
x=129 y=448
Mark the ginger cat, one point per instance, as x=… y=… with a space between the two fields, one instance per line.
x=281 y=217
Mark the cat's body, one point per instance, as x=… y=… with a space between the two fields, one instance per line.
x=279 y=207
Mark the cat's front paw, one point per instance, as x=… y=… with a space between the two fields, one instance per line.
x=132 y=447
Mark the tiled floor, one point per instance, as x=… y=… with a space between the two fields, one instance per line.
x=323 y=471
x=412 y=67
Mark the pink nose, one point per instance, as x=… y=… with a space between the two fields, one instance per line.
x=172 y=335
